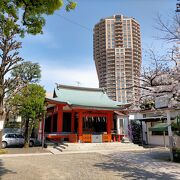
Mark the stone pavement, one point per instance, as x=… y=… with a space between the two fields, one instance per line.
x=152 y=164
x=94 y=147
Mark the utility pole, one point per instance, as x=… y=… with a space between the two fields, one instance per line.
x=170 y=133
x=43 y=127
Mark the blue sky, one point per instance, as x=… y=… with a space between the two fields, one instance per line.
x=65 y=50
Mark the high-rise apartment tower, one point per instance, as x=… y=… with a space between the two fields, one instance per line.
x=117 y=55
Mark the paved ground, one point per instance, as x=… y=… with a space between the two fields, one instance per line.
x=89 y=166
x=26 y=150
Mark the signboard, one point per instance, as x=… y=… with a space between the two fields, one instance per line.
x=161 y=102
x=96 y=138
x=131 y=117
x=1 y=125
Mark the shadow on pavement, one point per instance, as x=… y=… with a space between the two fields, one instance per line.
x=4 y=170
x=139 y=166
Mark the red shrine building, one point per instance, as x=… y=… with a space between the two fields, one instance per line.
x=79 y=114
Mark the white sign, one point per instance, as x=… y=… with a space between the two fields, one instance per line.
x=162 y=102
x=1 y=125
x=131 y=117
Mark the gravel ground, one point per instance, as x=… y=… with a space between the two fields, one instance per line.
x=26 y=150
x=90 y=166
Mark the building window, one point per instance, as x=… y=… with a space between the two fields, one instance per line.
x=159 y=133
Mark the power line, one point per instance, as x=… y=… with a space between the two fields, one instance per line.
x=73 y=22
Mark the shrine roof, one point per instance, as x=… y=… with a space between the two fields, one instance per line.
x=95 y=98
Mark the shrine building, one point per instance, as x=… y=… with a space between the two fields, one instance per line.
x=80 y=114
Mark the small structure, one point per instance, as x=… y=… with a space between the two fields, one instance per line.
x=154 y=124
x=78 y=114
x=161 y=127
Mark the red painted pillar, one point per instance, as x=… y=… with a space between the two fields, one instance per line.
x=108 y=123
x=111 y=121
x=52 y=119
x=60 y=119
x=119 y=138
x=80 y=125
x=72 y=122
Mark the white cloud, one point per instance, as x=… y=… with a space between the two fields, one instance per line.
x=84 y=76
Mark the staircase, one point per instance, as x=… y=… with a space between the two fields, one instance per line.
x=93 y=147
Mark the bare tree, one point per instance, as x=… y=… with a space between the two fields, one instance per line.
x=170 y=29
x=9 y=58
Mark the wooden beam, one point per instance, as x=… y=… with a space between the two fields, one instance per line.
x=84 y=110
x=94 y=115
x=54 y=102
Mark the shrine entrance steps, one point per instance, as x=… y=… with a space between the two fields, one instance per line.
x=93 y=147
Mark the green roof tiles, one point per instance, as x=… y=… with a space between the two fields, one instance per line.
x=86 y=97
x=159 y=127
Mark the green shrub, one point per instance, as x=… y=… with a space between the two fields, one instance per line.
x=3 y=151
x=176 y=154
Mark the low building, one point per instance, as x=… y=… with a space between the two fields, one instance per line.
x=79 y=114
x=153 y=124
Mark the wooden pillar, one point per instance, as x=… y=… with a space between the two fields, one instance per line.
x=80 y=125
x=109 y=123
x=60 y=119
x=72 y=122
x=52 y=121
